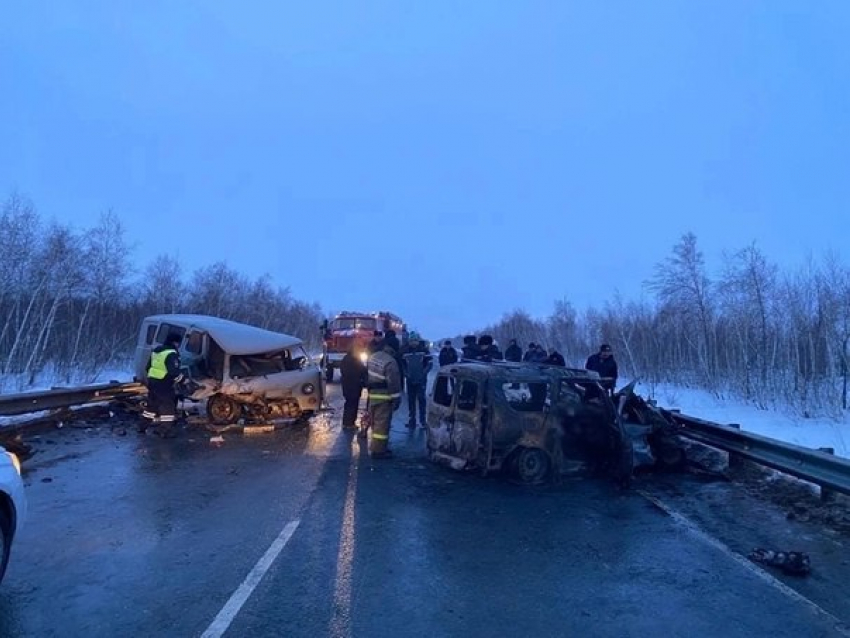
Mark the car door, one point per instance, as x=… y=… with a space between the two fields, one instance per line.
x=465 y=434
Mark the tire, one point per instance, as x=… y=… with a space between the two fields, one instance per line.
x=532 y=465
x=329 y=374
x=223 y=410
x=6 y=533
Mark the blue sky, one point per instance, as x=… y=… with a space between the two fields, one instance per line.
x=449 y=161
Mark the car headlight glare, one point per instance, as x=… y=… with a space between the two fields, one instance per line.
x=308 y=388
x=364 y=356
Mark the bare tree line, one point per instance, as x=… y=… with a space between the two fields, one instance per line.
x=71 y=301
x=774 y=337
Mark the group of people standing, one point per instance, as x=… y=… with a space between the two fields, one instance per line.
x=389 y=369
x=392 y=368
x=483 y=348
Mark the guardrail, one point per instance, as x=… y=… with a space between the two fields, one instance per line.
x=27 y=402
x=823 y=469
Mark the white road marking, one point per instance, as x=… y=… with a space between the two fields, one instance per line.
x=340 y=625
x=746 y=563
x=221 y=622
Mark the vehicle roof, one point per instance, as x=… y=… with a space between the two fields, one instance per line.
x=524 y=371
x=233 y=337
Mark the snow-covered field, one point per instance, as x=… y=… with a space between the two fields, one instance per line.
x=812 y=433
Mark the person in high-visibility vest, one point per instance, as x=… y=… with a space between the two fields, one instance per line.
x=163 y=373
x=384 y=387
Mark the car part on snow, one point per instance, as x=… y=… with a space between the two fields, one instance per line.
x=792 y=563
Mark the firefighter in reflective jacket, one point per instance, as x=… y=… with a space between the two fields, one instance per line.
x=163 y=374
x=384 y=388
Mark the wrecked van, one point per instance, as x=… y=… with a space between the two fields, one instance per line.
x=242 y=371
x=538 y=422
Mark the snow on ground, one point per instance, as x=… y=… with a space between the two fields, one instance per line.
x=47 y=379
x=811 y=433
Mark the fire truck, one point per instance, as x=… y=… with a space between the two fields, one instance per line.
x=357 y=329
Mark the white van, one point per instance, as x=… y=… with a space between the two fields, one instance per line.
x=242 y=370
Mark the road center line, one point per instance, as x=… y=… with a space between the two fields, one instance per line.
x=340 y=626
x=222 y=621
x=746 y=563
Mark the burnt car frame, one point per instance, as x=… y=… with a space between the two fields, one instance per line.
x=241 y=371
x=539 y=422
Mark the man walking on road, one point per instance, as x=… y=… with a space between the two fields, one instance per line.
x=417 y=365
x=353 y=380
x=604 y=364
x=162 y=375
x=384 y=398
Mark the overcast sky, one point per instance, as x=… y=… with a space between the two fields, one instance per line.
x=449 y=161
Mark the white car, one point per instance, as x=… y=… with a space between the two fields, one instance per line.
x=13 y=504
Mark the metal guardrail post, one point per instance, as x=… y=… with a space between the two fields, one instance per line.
x=735 y=460
x=827 y=495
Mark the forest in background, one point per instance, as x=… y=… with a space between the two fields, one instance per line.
x=775 y=337
x=72 y=300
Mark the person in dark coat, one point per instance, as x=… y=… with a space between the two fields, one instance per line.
x=487 y=350
x=529 y=354
x=555 y=358
x=448 y=355
x=604 y=364
x=354 y=377
x=470 y=348
x=513 y=352
x=417 y=365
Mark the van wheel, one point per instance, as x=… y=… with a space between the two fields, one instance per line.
x=223 y=410
x=532 y=465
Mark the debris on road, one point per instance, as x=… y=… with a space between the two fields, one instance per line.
x=793 y=563
x=218 y=440
x=257 y=429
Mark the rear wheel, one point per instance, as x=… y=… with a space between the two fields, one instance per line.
x=223 y=410
x=532 y=465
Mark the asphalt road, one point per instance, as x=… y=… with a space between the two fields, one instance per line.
x=299 y=533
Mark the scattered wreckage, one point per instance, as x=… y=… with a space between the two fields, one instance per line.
x=540 y=421
x=242 y=371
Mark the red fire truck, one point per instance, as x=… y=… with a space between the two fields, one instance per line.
x=357 y=329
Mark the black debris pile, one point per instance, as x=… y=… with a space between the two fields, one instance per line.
x=792 y=563
x=15 y=445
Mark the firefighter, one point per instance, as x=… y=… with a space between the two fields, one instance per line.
x=384 y=386
x=375 y=344
x=163 y=374
x=353 y=372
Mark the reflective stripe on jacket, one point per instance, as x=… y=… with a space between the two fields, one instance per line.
x=384 y=377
